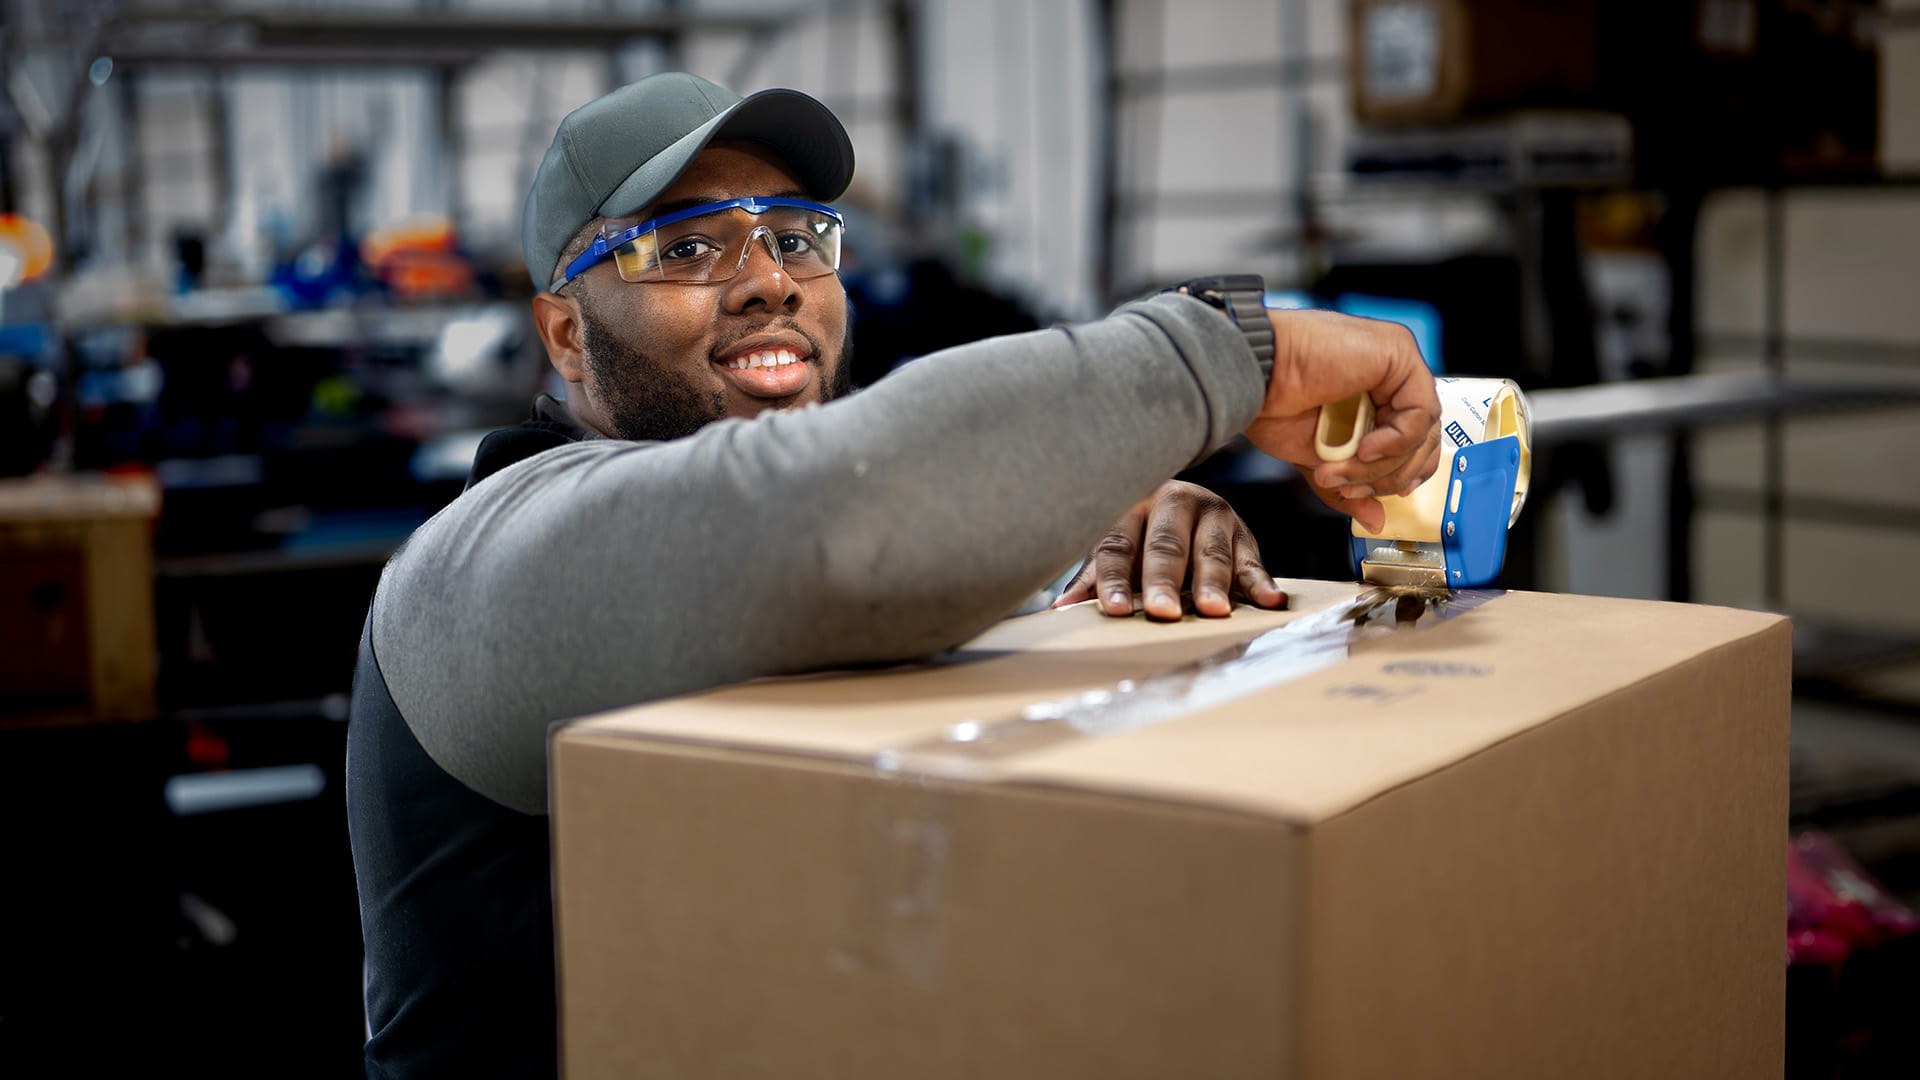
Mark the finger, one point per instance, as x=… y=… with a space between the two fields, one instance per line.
x=1407 y=473
x=1115 y=560
x=1414 y=470
x=1257 y=587
x=1079 y=587
x=1403 y=436
x=1407 y=433
x=1367 y=511
x=1213 y=561
x=1163 y=558
x=1250 y=573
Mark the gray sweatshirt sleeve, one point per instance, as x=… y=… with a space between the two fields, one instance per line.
x=885 y=526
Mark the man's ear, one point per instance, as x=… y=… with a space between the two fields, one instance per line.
x=557 y=319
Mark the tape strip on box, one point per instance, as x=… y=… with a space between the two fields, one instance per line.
x=1283 y=654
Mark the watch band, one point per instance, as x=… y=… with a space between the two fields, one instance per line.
x=1242 y=298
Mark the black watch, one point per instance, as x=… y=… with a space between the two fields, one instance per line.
x=1242 y=298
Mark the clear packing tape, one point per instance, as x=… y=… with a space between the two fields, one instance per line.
x=894 y=928
x=1300 y=648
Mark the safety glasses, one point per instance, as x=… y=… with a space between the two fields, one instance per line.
x=711 y=242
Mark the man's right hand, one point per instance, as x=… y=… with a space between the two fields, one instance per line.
x=1319 y=358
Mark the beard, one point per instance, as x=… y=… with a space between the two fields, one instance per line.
x=646 y=399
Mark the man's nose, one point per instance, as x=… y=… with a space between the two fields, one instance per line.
x=762 y=276
x=761 y=237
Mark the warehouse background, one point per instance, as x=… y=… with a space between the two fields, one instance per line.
x=264 y=268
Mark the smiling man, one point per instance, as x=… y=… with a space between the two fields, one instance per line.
x=655 y=363
x=680 y=522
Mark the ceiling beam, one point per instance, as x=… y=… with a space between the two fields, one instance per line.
x=409 y=30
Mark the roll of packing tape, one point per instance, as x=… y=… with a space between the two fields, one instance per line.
x=1478 y=410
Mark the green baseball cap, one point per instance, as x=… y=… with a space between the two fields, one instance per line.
x=618 y=152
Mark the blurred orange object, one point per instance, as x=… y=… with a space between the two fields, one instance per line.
x=30 y=239
x=418 y=257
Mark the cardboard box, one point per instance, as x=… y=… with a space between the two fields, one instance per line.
x=1433 y=61
x=1539 y=838
x=76 y=599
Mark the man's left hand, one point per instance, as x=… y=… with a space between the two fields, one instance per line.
x=1181 y=530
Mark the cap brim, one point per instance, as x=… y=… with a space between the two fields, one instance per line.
x=806 y=135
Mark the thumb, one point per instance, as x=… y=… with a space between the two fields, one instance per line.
x=1367 y=511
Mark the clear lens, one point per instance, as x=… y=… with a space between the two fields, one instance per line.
x=635 y=259
x=716 y=246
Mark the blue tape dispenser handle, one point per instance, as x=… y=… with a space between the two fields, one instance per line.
x=1479 y=506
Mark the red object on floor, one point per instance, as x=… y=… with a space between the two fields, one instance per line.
x=1834 y=906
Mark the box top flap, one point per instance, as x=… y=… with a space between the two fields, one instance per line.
x=1392 y=706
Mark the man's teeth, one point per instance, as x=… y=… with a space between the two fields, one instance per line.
x=764 y=358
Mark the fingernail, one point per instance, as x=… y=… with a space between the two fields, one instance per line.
x=1357 y=491
x=1212 y=595
x=1118 y=598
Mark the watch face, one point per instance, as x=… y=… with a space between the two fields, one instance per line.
x=1242 y=297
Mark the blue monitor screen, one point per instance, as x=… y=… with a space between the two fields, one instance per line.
x=1418 y=316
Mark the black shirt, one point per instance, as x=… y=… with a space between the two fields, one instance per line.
x=456 y=900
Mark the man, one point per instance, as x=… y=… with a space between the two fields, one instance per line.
x=686 y=256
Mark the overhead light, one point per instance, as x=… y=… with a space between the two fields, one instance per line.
x=29 y=246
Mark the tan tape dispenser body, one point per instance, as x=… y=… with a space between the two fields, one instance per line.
x=1411 y=548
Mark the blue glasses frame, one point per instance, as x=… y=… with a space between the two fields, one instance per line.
x=604 y=246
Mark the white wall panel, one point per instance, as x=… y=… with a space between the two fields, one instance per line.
x=1234 y=140
x=174 y=158
x=508 y=107
x=1851 y=270
x=1221 y=32
x=1012 y=81
x=1167 y=248
x=1730 y=250
x=1900 y=101
x=1327 y=28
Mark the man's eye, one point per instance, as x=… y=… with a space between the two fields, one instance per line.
x=795 y=243
x=692 y=247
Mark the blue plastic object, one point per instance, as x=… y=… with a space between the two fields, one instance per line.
x=1418 y=316
x=1478 y=507
x=1473 y=534
x=23 y=339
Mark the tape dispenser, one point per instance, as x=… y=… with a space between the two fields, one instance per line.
x=1451 y=531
